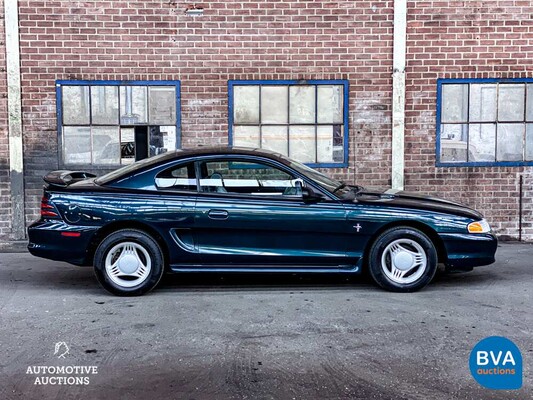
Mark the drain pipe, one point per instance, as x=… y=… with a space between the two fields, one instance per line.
x=398 y=94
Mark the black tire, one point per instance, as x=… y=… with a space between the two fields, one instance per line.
x=381 y=273
x=140 y=238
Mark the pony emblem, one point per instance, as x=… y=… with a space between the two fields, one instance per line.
x=61 y=349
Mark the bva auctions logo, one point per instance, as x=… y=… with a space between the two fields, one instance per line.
x=496 y=363
x=61 y=349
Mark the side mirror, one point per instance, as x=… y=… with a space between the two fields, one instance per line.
x=310 y=196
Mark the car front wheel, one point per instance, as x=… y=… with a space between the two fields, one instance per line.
x=128 y=263
x=402 y=259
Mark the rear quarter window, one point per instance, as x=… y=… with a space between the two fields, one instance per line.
x=179 y=178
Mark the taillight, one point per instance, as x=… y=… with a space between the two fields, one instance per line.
x=47 y=209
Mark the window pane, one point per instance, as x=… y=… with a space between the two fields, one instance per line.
x=453 y=142
x=529 y=142
x=248 y=178
x=510 y=142
x=156 y=141
x=511 y=102
x=482 y=142
x=214 y=180
x=77 y=144
x=274 y=104
x=246 y=136
x=483 y=102
x=454 y=103
x=325 y=144
x=302 y=143
x=338 y=143
x=529 y=109
x=330 y=146
x=133 y=105
x=127 y=145
x=106 y=147
x=274 y=138
x=104 y=105
x=169 y=137
x=162 y=105
x=176 y=178
x=302 y=104
x=330 y=104
x=246 y=104
x=75 y=103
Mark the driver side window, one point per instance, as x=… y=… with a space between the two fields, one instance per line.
x=248 y=178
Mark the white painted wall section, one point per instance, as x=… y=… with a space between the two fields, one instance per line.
x=398 y=94
x=16 y=164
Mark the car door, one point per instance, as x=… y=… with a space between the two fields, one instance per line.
x=173 y=211
x=251 y=212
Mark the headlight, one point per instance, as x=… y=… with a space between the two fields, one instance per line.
x=479 y=227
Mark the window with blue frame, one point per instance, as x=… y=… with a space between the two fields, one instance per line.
x=109 y=123
x=304 y=120
x=484 y=122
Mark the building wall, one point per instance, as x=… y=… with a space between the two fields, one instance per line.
x=155 y=40
x=279 y=39
x=466 y=39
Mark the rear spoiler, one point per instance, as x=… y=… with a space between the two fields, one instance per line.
x=63 y=178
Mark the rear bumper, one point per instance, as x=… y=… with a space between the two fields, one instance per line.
x=465 y=251
x=46 y=241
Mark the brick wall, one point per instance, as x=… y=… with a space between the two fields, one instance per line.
x=465 y=39
x=281 y=39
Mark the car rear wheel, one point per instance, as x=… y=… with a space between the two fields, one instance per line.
x=128 y=263
x=402 y=259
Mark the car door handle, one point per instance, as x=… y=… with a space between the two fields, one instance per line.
x=218 y=214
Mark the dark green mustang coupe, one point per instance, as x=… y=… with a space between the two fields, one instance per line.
x=244 y=210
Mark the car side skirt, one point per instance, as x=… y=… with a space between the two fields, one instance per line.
x=354 y=269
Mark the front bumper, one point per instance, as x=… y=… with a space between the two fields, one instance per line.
x=467 y=250
x=46 y=241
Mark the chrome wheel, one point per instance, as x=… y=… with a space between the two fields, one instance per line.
x=404 y=261
x=128 y=264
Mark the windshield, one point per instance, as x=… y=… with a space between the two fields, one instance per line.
x=338 y=188
x=325 y=181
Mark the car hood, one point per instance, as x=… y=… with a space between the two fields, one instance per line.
x=394 y=198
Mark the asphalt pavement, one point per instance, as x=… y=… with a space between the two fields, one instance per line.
x=262 y=336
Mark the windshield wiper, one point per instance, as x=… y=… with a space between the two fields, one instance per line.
x=341 y=186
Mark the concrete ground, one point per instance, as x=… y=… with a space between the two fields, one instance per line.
x=261 y=336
